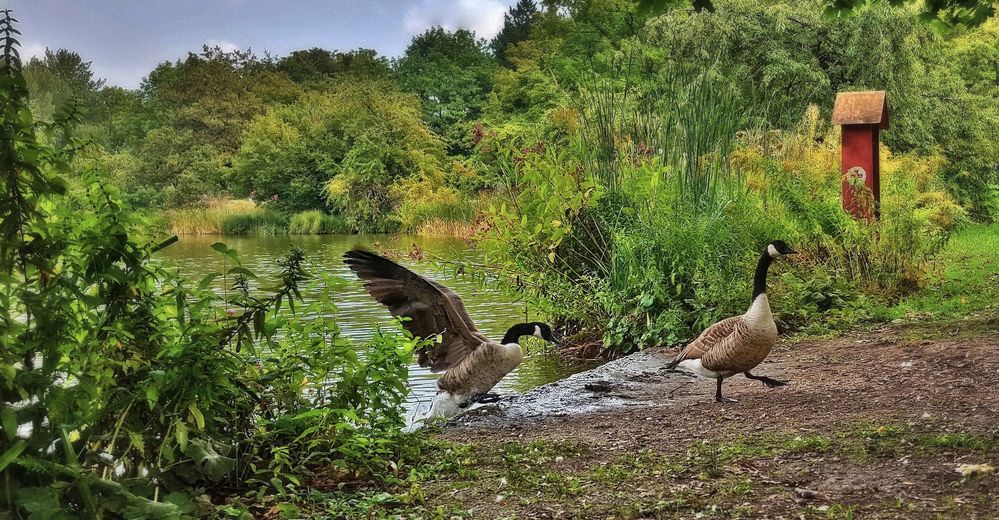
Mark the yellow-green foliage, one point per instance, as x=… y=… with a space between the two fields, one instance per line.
x=798 y=182
x=428 y=207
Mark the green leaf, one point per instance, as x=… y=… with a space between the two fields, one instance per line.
x=211 y=463
x=243 y=271
x=199 y=418
x=144 y=509
x=152 y=395
x=11 y=454
x=206 y=282
x=164 y=244
x=137 y=441
x=8 y=419
x=41 y=503
x=180 y=432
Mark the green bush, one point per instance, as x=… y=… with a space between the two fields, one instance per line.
x=338 y=150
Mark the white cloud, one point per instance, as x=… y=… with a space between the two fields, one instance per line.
x=222 y=44
x=485 y=17
x=31 y=50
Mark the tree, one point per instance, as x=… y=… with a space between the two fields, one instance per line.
x=58 y=77
x=69 y=68
x=570 y=42
x=516 y=28
x=116 y=119
x=214 y=94
x=318 y=64
x=198 y=109
x=452 y=73
x=941 y=14
x=177 y=169
x=338 y=150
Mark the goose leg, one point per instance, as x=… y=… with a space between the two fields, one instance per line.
x=770 y=382
x=718 y=393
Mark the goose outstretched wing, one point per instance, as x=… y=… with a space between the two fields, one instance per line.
x=432 y=308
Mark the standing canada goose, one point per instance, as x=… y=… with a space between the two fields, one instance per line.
x=472 y=364
x=739 y=343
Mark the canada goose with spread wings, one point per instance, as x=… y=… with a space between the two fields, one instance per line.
x=738 y=344
x=472 y=363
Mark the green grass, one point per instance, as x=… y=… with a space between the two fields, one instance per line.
x=225 y=217
x=316 y=222
x=258 y=223
x=965 y=278
x=453 y=478
x=212 y=216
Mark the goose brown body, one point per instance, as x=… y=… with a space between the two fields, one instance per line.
x=481 y=369
x=737 y=344
x=740 y=343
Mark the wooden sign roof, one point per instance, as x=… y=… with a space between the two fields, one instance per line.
x=861 y=108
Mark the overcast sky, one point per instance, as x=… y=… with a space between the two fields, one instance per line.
x=125 y=39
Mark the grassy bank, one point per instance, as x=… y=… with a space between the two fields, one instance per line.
x=245 y=217
x=713 y=478
x=964 y=279
x=225 y=217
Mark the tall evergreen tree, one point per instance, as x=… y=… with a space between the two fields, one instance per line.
x=516 y=28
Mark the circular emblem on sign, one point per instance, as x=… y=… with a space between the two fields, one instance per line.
x=858 y=172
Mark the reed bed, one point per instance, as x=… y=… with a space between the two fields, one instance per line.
x=225 y=217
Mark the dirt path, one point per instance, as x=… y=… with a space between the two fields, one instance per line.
x=872 y=425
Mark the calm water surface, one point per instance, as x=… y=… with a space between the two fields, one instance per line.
x=493 y=310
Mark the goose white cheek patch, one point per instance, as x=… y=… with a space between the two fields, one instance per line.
x=772 y=251
x=537 y=332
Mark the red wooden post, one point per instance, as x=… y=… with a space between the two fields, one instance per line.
x=862 y=116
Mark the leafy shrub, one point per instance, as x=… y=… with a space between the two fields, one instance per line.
x=429 y=208
x=339 y=150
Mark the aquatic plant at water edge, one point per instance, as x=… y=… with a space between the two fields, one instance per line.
x=315 y=222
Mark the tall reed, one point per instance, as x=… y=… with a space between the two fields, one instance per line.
x=210 y=216
x=688 y=120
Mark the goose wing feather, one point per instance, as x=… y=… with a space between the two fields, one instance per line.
x=432 y=308
x=709 y=339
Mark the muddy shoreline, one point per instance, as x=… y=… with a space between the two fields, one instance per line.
x=925 y=391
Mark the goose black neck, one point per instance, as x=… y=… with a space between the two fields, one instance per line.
x=760 y=280
x=521 y=329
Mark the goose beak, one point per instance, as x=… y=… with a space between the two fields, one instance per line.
x=791 y=252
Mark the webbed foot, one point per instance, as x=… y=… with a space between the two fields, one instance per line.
x=769 y=381
x=488 y=398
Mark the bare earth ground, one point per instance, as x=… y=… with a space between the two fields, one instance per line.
x=871 y=425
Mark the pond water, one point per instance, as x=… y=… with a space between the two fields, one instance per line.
x=493 y=310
